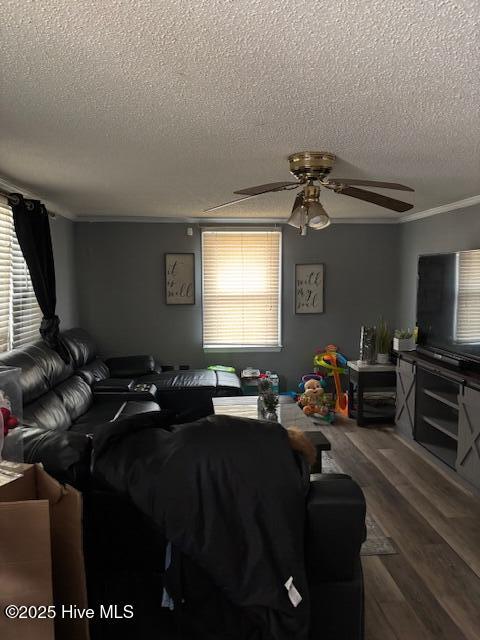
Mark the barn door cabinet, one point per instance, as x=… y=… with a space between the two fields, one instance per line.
x=468 y=451
x=405 y=403
x=439 y=408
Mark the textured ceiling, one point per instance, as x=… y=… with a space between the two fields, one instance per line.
x=164 y=107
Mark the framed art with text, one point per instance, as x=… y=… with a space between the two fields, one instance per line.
x=180 y=278
x=309 y=287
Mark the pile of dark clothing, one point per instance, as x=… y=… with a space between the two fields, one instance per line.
x=228 y=494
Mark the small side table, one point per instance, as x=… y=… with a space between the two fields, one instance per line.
x=368 y=377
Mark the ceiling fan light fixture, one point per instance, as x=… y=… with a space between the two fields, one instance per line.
x=298 y=218
x=318 y=218
x=320 y=222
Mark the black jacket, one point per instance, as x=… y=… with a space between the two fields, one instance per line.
x=229 y=495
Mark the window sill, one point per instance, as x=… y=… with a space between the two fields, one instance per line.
x=239 y=349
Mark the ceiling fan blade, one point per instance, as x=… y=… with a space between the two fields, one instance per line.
x=226 y=204
x=375 y=198
x=265 y=188
x=371 y=183
x=294 y=220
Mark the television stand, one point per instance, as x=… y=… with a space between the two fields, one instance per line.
x=440 y=409
x=443 y=358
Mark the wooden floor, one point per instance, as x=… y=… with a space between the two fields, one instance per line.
x=430 y=590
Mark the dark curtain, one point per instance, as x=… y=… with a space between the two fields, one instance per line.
x=32 y=227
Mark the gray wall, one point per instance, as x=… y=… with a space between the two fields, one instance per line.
x=110 y=280
x=121 y=299
x=445 y=232
x=63 y=242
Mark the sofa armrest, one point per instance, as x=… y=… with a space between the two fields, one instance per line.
x=113 y=384
x=65 y=455
x=131 y=366
x=335 y=528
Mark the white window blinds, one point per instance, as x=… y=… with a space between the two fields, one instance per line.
x=468 y=301
x=241 y=288
x=20 y=315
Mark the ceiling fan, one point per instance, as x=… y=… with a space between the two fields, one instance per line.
x=310 y=167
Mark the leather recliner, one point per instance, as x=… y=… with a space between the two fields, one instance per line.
x=174 y=389
x=74 y=396
x=59 y=396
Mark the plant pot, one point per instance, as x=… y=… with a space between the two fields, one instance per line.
x=383 y=358
x=271 y=416
x=404 y=344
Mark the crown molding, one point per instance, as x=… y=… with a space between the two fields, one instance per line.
x=409 y=217
x=444 y=208
x=6 y=185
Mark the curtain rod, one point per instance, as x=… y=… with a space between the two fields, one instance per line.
x=16 y=200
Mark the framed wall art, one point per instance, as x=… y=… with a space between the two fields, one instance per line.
x=309 y=288
x=180 y=278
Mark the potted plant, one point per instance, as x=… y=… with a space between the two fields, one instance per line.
x=404 y=340
x=270 y=400
x=264 y=387
x=384 y=340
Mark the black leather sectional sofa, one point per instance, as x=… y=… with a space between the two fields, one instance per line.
x=91 y=391
x=62 y=406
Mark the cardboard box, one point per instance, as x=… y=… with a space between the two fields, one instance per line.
x=41 y=554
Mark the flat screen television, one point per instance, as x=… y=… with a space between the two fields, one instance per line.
x=448 y=306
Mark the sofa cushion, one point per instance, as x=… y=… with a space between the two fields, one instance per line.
x=42 y=369
x=192 y=390
x=181 y=390
x=133 y=408
x=100 y=411
x=107 y=410
x=81 y=346
x=47 y=412
x=32 y=381
x=54 y=368
x=64 y=455
x=95 y=371
x=179 y=380
x=76 y=396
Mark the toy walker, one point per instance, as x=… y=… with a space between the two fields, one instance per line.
x=335 y=363
x=314 y=399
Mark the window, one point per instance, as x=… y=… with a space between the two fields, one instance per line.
x=468 y=297
x=241 y=289
x=20 y=315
